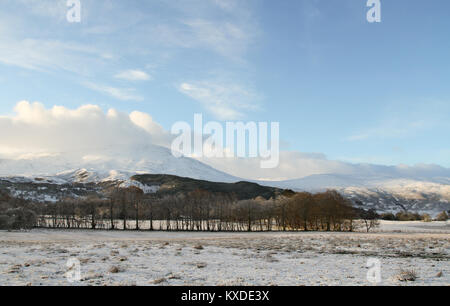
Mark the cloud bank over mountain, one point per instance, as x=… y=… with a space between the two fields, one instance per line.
x=35 y=131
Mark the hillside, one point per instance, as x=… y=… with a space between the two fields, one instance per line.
x=384 y=193
x=169 y=184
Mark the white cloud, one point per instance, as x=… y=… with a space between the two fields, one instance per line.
x=45 y=8
x=227 y=5
x=225 y=38
x=37 y=131
x=35 y=128
x=406 y=120
x=295 y=165
x=292 y=165
x=226 y=28
x=227 y=101
x=124 y=94
x=146 y=122
x=38 y=54
x=394 y=129
x=133 y=75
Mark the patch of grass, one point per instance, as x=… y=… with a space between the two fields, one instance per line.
x=159 y=281
x=114 y=269
x=174 y=276
x=406 y=275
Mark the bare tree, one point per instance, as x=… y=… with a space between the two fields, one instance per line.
x=370 y=219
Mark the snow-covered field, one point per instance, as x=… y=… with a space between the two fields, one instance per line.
x=39 y=257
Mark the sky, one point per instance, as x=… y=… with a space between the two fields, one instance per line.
x=344 y=90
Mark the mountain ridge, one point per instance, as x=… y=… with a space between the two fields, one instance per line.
x=424 y=188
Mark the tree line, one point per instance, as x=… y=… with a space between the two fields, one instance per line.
x=131 y=209
x=414 y=216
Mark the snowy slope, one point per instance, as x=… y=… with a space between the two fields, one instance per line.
x=326 y=181
x=109 y=164
x=392 y=192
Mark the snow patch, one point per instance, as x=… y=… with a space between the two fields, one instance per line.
x=145 y=188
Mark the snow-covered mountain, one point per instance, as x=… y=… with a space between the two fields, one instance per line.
x=392 y=190
x=420 y=188
x=107 y=164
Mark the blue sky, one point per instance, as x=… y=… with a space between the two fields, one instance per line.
x=354 y=91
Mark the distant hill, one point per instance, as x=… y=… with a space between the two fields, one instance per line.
x=169 y=184
x=52 y=190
